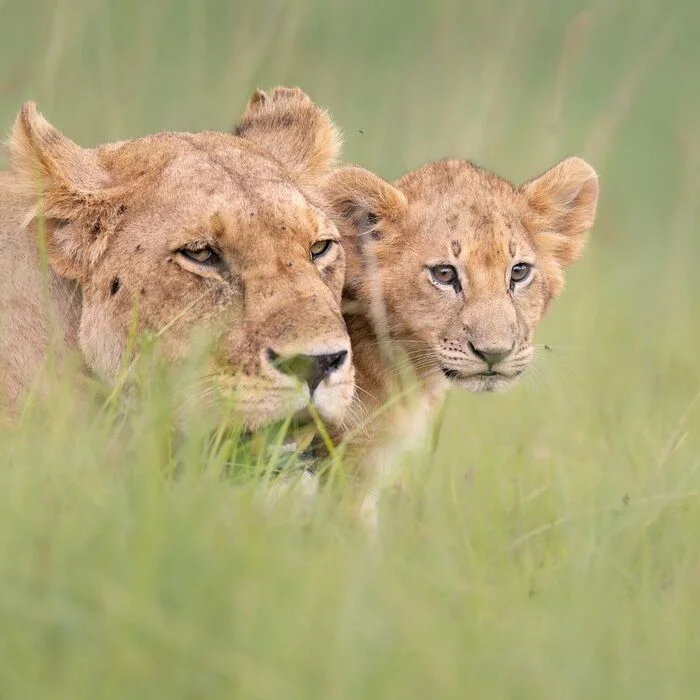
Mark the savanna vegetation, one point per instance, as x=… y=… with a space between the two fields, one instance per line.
x=550 y=548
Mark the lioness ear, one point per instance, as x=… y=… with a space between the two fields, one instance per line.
x=294 y=130
x=364 y=202
x=561 y=208
x=72 y=192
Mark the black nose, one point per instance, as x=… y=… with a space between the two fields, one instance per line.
x=491 y=355
x=312 y=369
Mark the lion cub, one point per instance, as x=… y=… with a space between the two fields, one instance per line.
x=450 y=270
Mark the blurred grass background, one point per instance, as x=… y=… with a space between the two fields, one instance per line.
x=552 y=551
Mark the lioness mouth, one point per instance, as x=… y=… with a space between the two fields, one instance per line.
x=301 y=444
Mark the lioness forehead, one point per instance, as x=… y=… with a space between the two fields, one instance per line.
x=213 y=183
x=208 y=162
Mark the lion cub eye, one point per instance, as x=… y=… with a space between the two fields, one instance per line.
x=519 y=273
x=202 y=256
x=445 y=274
x=320 y=248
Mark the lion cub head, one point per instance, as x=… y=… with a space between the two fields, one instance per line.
x=183 y=232
x=459 y=265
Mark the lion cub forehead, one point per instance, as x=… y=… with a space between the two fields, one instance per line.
x=467 y=222
x=461 y=197
x=447 y=180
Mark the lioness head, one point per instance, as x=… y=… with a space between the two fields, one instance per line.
x=459 y=264
x=179 y=232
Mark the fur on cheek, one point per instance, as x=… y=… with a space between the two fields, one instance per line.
x=101 y=344
x=552 y=279
x=69 y=254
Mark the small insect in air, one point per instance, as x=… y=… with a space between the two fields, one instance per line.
x=548 y=348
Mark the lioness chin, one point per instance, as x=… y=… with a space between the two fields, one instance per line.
x=450 y=270
x=183 y=232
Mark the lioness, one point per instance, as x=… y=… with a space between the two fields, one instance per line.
x=449 y=272
x=181 y=231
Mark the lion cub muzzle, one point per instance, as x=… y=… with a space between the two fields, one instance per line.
x=491 y=354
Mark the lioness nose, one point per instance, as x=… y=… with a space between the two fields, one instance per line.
x=312 y=369
x=491 y=355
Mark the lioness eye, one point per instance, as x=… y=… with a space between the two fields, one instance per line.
x=320 y=248
x=203 y=256
x=520 y=272
x=444 y=274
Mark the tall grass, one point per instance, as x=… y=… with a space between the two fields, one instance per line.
x=551 y=550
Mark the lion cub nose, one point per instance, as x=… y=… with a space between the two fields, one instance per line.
x=491 y=355
x=311 y=369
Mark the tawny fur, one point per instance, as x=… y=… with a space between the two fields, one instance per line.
x=116 y=220
x=409 y=333
x=294 y=130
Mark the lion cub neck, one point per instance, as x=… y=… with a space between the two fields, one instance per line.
x=395 y=409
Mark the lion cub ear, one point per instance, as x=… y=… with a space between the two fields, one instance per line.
x=74 y=200
x=561 y=208
x=363 y=204
x=294 y=130
x=366 y=210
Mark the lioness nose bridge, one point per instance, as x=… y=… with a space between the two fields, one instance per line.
x=278 y=296
x=289 y=278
